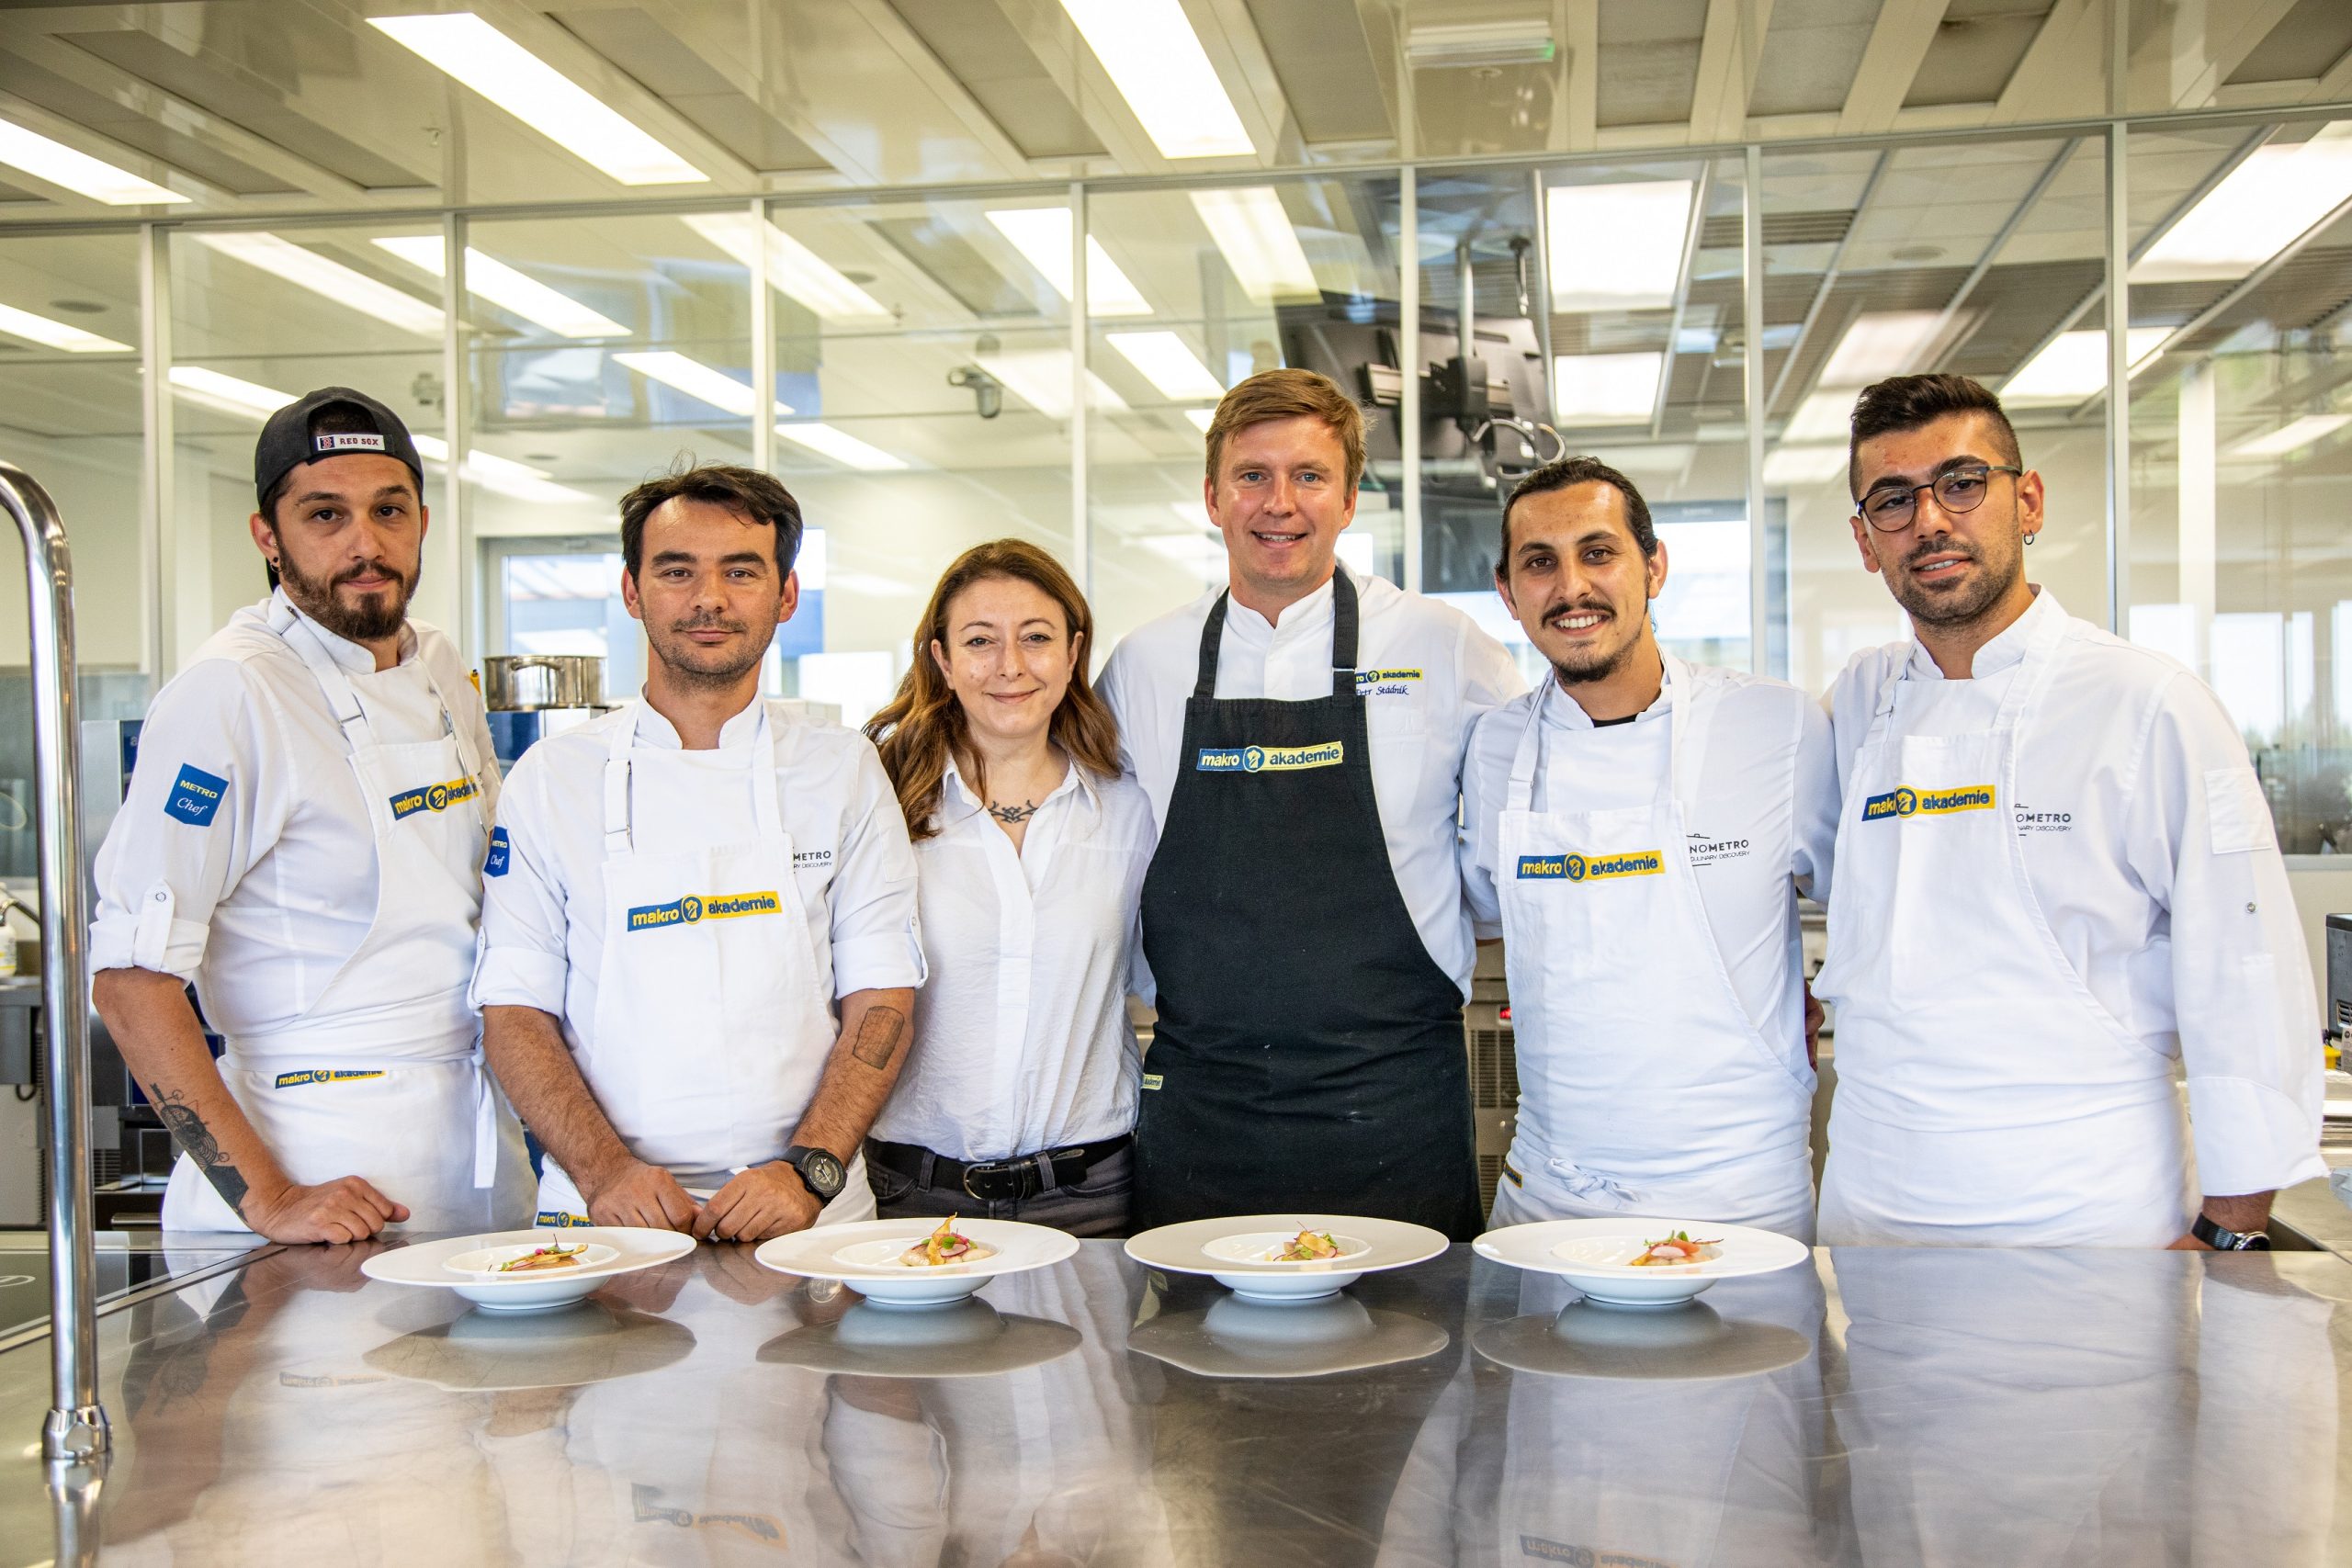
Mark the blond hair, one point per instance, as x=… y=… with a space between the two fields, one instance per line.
x=1290 y=394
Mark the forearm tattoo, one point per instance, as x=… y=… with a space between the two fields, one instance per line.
x=188 y=1130
x=878 y=1033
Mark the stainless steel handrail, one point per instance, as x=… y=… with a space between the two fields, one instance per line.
x=76 y=1428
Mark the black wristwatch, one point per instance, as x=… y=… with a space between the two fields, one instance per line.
x=2220 y=1240
x=821 y=1172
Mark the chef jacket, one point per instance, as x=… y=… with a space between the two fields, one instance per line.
x=1021 y=1036
x=2148 y=846
x=1426 y=673
x=243 y=857
x=1767 y=798
x=543 y=906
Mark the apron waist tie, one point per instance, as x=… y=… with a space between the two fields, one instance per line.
x=1589 y=1186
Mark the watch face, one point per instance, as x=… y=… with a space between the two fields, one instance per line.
x=824 y=1172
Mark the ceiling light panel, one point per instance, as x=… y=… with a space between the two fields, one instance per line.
x=1042 y=234
x=504 y=476
x=1250 y=227
x=1149 y=50
x=2259 y=208
x=1202 y=418
x=1879 y=344
x=1041 y=378
x=542 y=98
x=2293 y=437
x=2074 y=366
x=1617 y=248
x=1788 y=466
x=1824 y=416
x=329 y=280
x=1606 y=388
x=796 y=270
x=841 y=446
x=78 y=172
x=697 y=380
x=504 y=286
x=227 y=394
x=1167 y=362
x=55 y=334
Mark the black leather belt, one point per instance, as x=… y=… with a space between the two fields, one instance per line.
x=995 y=1181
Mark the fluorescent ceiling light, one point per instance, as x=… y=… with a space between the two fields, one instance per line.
x=504 y=475
x=1617 y=248
x=329 y=280
x=841 y=446
x=796 y=270
x=505 y=288
x=1824 y=416
x=1788 y=466
x=1169 y=364
x=1250 y=227
x=2075 y=366
x=539 y=95
x=1042 y=234
x=1204 y=418
x=1040 y=378
x=78 y=172
x=1606 y=388
x=2259 y=208
x=697 y=380
x=1880 y=344
x=1510 y=41
x=2293 y=437
x=1151 y=54
x=55 y=334
x=227 y=394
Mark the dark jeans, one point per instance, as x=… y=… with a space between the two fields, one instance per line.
x=1096 y=1206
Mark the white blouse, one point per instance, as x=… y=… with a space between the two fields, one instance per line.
x=1021 y=1036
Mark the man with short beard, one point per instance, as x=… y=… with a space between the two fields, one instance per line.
x=302 y=841
x=1640 y=828
x=2057 y=884
x=699 y=949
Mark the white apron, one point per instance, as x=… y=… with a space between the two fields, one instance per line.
x=382 y=1078
x=1644 y=1087
x=1984 y=1095
x=711 y=1030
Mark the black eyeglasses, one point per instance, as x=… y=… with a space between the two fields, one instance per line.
x=1892 y=509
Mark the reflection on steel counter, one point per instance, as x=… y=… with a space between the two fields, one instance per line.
x=1950 y=1406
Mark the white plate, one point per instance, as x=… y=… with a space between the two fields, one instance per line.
x=1234 y=1252
x=1592 y=1255
x=427 y=1263
x=960 y=1339
x=1587 y=1341
x=1236 y=1338
x=565 y=1347
x=487 y=1262
x=864 y=1255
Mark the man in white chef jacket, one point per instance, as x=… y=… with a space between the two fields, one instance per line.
x=699 y=949
x=302 y=842
x=1641 y=827
x=2057 y=881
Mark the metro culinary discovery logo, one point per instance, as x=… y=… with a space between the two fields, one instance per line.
x=1591 y=868
x=1270 y=759
x=1907 y=801
x=693 y=909
x=434 y=797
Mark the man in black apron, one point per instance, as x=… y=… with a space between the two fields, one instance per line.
x=1310 y=1051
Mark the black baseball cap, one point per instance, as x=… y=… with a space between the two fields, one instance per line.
x=287 y=441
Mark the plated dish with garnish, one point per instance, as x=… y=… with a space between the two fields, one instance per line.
x=1285 y=1257
x=528 y=1270
x=916 y=1262
x=1638 y=1261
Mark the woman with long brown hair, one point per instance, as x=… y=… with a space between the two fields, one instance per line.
x=1019 y=1094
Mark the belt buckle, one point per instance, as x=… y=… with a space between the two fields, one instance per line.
x=992 y=1168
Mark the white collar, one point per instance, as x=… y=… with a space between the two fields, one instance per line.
x=655 y=730
x=1562 y=711
x=1306 y=617
x=354 y=659
x=2005 y=649
x=1075 y=777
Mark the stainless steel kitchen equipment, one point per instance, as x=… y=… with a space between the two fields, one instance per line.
x=532 y=683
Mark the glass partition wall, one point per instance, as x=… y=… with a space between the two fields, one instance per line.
x=922 y=370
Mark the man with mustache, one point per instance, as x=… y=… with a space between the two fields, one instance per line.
x=1641 y=827
x=302 y=842
x=2057 y=882
x=699 y=950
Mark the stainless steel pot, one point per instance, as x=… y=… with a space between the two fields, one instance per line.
x=524 y=683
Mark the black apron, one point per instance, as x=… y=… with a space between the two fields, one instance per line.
x=1309 y=1053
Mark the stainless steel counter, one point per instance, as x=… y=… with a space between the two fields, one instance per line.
x=1886 y=1406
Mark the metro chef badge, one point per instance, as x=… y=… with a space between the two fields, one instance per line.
x=434 y=797
x=693 y=909
x=1591 y=868
x=1270 y=759
x=1897 y=803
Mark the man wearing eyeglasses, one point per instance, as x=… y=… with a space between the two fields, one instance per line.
x=2056 y=884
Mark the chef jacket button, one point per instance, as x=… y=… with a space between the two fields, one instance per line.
x=162 y=897
x=2249 y=908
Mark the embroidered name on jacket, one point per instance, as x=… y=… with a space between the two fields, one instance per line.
x=1927 y=802
x=1385 y=683
x=693 y=909
x=1591 y=868
x=1270 y=759
x=434 y=797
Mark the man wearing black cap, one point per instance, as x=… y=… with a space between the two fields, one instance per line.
x=302 y=841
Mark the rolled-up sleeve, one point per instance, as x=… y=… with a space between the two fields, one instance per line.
x=521 y=959
x=1814 y=812
x=200 y=810
x=2244 y=1001
x=876 y=940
